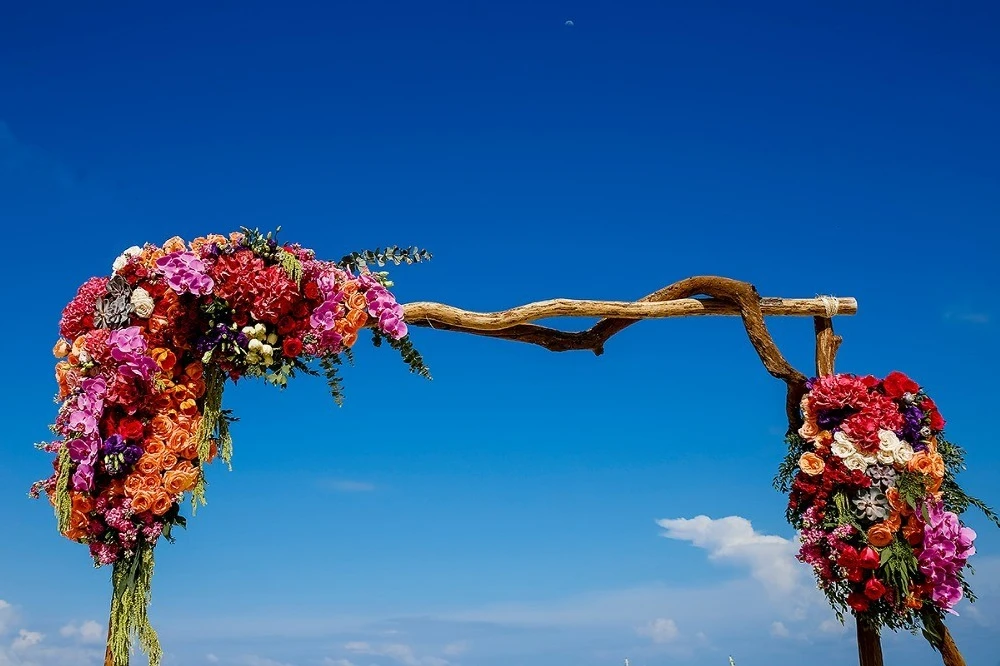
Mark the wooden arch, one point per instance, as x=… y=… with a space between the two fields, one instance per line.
x=695 y=296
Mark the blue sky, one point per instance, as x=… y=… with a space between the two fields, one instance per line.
x=507 y=511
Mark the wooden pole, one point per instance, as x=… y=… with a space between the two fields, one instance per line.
x=950 y=655
x=827 y=344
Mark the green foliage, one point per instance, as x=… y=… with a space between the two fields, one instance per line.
x=790 y=465
x=331 y=367
x=356 y=261
x=911 y=488
x=64 y=503
x=410 y=355
x=131 y=580
x=266 y=247
x=899 y=565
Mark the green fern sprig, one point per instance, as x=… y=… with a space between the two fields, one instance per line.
x=410 y=355
x=330 y=365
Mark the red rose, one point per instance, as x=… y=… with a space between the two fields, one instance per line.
x=868 y=558
x=857 y=601
x=130 y=428
x=896 y=384
x=291 y=347
x=870 y=381
x=874 y=589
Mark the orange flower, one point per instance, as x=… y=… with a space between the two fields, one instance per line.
x=141 y=502
x=168 y=460
x=162 y=427
x=74 y=353
x=809 y=430
x=811 y=464
x=913 y=531
x=921 y=463
x=175 y=244
x=189 y=407
x=148 y=465
x=894 y=521
x=896 y=502
x=202 y=241
x=133 y=484
x=879 y=535
x=152 y=482
x=155 y=447
x=357 y=301
x=188 y=424
x=164 y=358
x=196 y=387
x=932 y=445
x=194 y=370
x=82 y=503
x=63 y=370
x=178 y=440
x=180 y=393
x=178 y=481
x=914 y=602
x=350 y=339
x=161 y=503
x=350 y=287
x=357 y=318
x=115 y=488
x=61 y=349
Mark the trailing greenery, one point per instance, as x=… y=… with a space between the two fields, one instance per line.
x=64 y=503
x=789 y=466
x=956 y=499
x=266 y=246
x=131 y=580
x=331 y=366
x=911 y=487
x=899 y=565
x=410 y=355
x=214 y=428
x=356 y=261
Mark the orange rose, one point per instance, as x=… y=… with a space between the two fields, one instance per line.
x=115 y=488
x=63 y=370
x=174 y=481
x=357 y=318
x=178 y=440
x=809 y=430
x=932 y=445
x=896 y=502
x=133 y=484
x=61 y=349
x=914 y=602
x=141 y=502
x=148 y=465
x=194 y=370
x=161 y=503
x=357 y=301
x=189 y=407
x=152 y=482
x=162 y=426
x=811 y=464
x=350 y=339
x=155 y=447
x=82 y=503
x=189 y=424
x=168 y=460
x=937 y=466
x=913 y=531
x=179 y=393
x=350 y=287
x=175 y=244
x=879 y=535
x=921 y=463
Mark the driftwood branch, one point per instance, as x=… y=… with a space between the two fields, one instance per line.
x=725 y=297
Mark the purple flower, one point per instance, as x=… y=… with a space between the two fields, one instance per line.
x=186 y=273
x=126 y=342
x=83 y=477
x=83 y=421
x=946 y=548
x=82 y=450
x=383 y=306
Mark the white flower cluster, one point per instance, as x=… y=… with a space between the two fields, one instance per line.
x=123 y=258
x=261 y=345
x=891 y=451
x=142 y=303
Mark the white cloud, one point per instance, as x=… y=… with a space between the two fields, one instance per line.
x=337 y=662
x=348 y=486
x=832 y=626
x=398 y=652
x=660 y=630
x=779 y=630
x=771 y=558
x=86 y=632
x=25 y=639
x=455 y=649
x=211 y=658
x=256 y=660
x=7 y=617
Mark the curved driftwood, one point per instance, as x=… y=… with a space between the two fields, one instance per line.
x=726 y=297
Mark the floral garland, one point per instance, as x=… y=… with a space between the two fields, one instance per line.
x=871 y=482
x=143 y=358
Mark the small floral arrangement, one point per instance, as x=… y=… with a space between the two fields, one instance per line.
x=143 y=358
x=872 y=490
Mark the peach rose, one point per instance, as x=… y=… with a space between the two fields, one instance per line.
x=161 y=503
x=921 y=463
x=148 y=465
x=175 y=244
x=357 y=301
x=152 y=482
x=155 y=447
x=162 y=427
x=61 y=349
x=133 y=485
x=168 y=460
x=357 y=318
x=879 y=535
x=350 y=287
x=350 y=339
x=141 y=502
x=811 y=464
x=809 y=430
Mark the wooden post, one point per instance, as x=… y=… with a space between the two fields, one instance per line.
x=949 y=651
x=827 y=344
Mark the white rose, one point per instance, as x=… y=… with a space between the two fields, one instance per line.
x=904 y=453
x=142 y=302
x=888 y=440
x=255 y=345
x=842 y=446
x=123 y=258
x=856 y=461
x=885 y=457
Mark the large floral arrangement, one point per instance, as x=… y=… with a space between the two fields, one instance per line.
x=872 y=491
x=143 y=357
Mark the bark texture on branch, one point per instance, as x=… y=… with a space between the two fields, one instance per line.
x=726 y=296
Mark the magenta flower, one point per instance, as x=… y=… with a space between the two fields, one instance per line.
x=186 y=273
x=946 y=549
x=126 y=342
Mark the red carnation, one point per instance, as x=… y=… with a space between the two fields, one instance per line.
x=311 y=291
x=78 y=316
x=896 y=384
x=291 y=347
